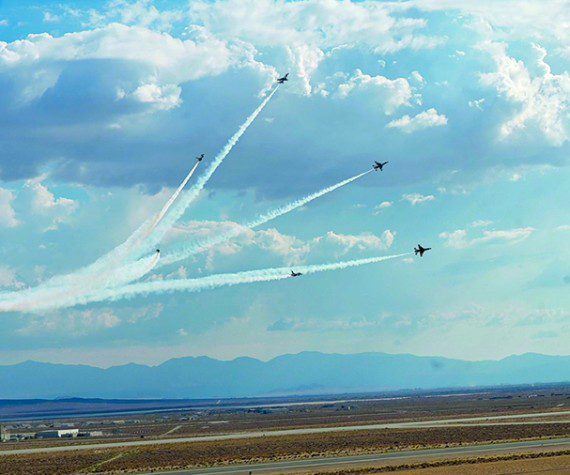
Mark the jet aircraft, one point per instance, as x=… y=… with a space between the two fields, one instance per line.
x=200 y=157
x=295 y=274
x=378 y=165
x=420 y=250
x=283 y=79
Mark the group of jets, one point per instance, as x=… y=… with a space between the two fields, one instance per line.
x=378 y=166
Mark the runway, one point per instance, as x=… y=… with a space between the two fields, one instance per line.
x=485 y=420
x=403 y=457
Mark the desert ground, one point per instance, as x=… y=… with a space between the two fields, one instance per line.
x=490 y=431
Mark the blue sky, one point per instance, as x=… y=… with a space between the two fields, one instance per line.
x=103 y=106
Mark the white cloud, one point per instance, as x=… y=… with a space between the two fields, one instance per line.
x=270 y=23
x=508 y=18
x=43 y=203
x=306 y=60
x=458 y=239
x=51 y=18
x=290 y=249
x=140 y=13
x=564 y=227
x=477 y=103
x=161 y=97
x=543 y=97
x=340 y=244
x=382 y=206
x=417 y=198
x=169 y=61
x=481 y=223
x=417 y=77
x=425 y=119
x=7 y=213
x=290 y=27
x=515 y=177
x=74 y=323
x=389 y=94
x=9 y=279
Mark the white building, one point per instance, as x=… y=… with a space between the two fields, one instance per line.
x=52 y=434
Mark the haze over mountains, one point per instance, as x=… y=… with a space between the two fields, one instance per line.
x=303 y=373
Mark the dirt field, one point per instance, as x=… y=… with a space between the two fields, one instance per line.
x=184 y=455
x=334 y=413
x=553 y=463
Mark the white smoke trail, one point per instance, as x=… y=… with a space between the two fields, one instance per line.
x=51 y=297
x=136 y=244
x=200 y=246
x=107 y=267
x=188 y=197
x=209 y=282
x=131 y=272
x=172 y=199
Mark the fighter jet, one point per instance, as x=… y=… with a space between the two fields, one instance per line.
x=200 y=157
x=295 y=274
x=283 y=79
x=378 y=165
x=158 y=251
x=420 y=250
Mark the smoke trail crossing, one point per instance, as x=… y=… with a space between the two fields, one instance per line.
x=222 y=280
x=147 y=235
x=200 y=246
x=52 y=297
x=187 y=198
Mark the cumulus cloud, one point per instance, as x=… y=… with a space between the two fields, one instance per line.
x=513 y=19
x=513 y=315
x=423 y=120
x=481 y=223
x=44 y=204
x=139 y=13
x=389 y=94
x=340 y=244
x=7 y=213
x=382 y=206
x=171 y=60
x=269 y=23
x=161 y=97
x=476 y=104
x=542 y=98
x=290 y=249
x=459 y=239
x=74 y=323
x=417 y=198
x=291 y=27
x=9 y=279
x=317 y=325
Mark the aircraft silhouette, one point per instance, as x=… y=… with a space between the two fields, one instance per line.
x=420 y=250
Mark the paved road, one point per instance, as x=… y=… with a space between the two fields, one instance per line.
x=490 y=420
x=402 y=457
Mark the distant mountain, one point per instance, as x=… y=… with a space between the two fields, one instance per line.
x=303 y=373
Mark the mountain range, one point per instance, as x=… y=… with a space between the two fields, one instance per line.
x=298 y=374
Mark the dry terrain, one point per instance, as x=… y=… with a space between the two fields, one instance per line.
x=529 y=414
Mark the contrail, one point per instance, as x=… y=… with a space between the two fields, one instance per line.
x=220 y=280
x=131 y=272
x=147 y=235
x=172 y=199
x=46 y=297
x=200 y=246
x=187 y=198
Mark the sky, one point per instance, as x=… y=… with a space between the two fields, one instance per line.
x=104 y=105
